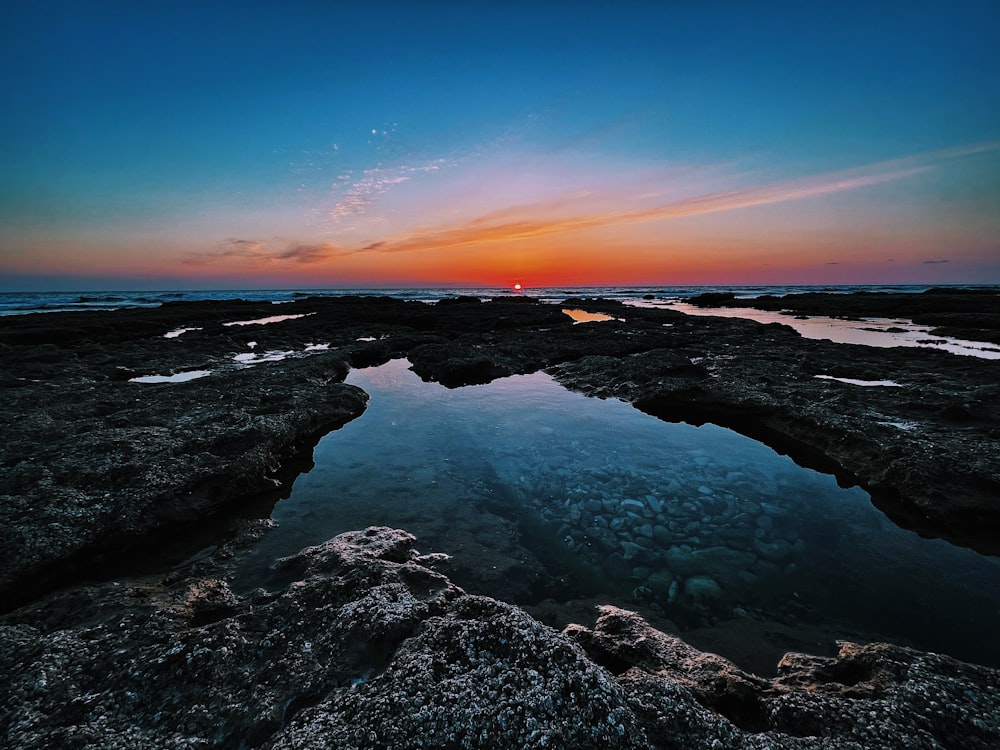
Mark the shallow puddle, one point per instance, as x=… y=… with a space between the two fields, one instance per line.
x=178 y=377
x=582 y=316
x=267 y=320
x=558 y=502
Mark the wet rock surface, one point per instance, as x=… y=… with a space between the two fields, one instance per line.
x=370 y=647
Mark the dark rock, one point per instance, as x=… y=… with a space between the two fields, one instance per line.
x=101 y=466
x=712 y=299
x=370 y=648
x=462 y=299
x=875 y=695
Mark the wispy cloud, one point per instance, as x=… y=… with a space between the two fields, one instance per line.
x=935 y=262
x=374 y=183
x=524 y=223
x=259 y=253
x=310 y=253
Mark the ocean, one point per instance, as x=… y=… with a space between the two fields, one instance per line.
x=17 y=303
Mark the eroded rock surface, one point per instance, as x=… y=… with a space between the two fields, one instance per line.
x=372 y=648
x=876 y=695
x=92 y=465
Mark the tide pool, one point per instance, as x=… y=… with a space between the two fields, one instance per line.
x=558 y=502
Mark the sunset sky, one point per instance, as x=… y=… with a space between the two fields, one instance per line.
x=276 y=144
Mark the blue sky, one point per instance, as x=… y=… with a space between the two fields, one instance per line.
x=285 y=143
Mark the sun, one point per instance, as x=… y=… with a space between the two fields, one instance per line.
x=517 y=287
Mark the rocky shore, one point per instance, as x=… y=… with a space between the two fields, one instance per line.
x=370 y=647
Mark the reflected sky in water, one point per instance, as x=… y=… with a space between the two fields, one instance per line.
x=881 y=332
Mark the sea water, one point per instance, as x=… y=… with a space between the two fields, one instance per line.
x=21 y=302
x=559 y=502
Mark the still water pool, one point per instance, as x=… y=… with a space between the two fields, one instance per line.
x=558 y=502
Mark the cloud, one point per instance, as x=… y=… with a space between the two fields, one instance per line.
x=514 y=224
x=832 y=263
x=310 y=253
x=259 y=253
x=374 y=183
x=230 y=248
x=249 y=244
x=934 y=262
x=242 y=248
x=487 y=229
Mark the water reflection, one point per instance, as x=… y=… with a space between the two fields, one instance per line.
x=558 y=501
x=267 y=320
x=582 y=316
x=179 y=377
x=880 y=332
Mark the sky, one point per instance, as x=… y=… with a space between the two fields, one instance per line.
x=154 y=145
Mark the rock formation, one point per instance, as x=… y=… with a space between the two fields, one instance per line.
x=370 y=647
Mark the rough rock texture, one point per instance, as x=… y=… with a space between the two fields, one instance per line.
x=371 y=648
x=91 y=464
x=368 y=646
x=866 y=696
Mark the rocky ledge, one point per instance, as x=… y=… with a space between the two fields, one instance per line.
x=370 y=647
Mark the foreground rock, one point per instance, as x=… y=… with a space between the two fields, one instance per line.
x=370 y=647
x=867 y=696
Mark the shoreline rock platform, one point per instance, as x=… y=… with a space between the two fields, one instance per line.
x=372 y=648
x=99 y=472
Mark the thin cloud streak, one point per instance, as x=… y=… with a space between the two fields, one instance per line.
x=374 y=183
x=258 y=253
x=491 y=228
